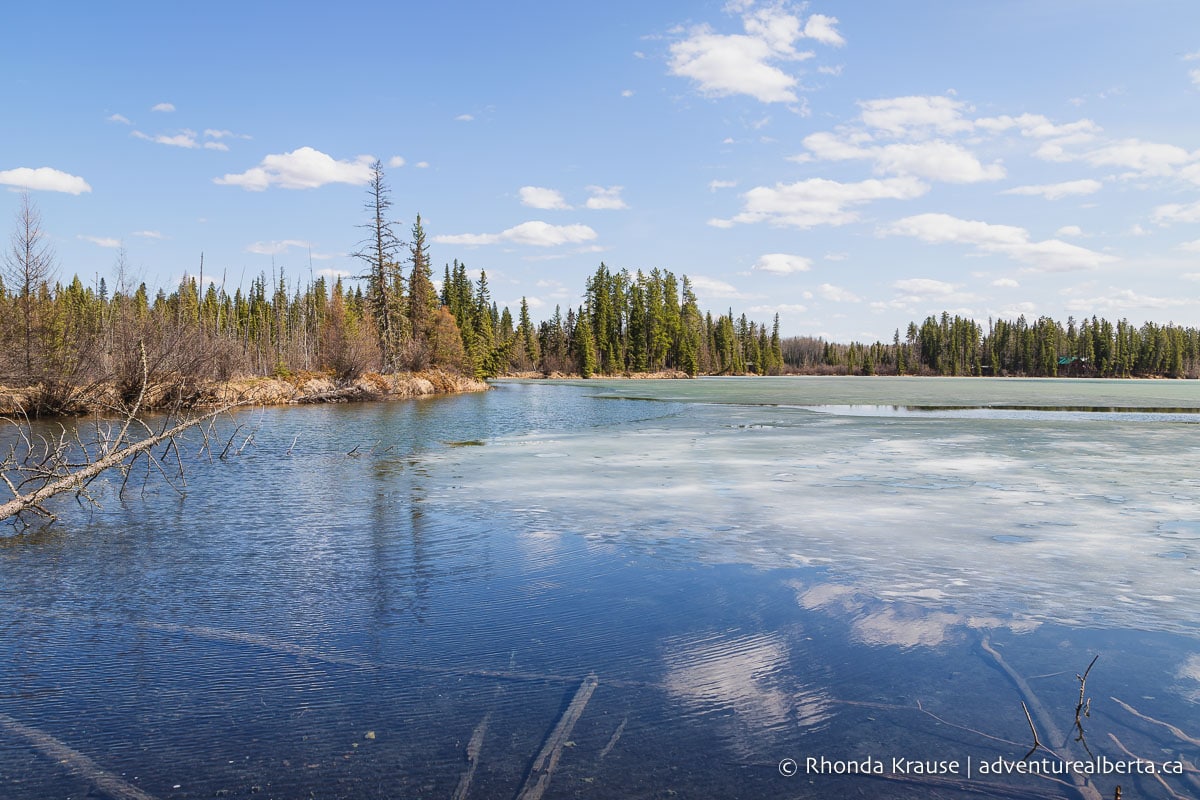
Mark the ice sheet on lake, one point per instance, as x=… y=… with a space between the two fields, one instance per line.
x=1006 y=520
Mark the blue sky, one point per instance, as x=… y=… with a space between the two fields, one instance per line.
x=851 y=165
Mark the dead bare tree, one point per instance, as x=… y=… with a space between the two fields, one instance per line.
x=28 y=264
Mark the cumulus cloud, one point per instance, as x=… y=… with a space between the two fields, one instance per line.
x=821 y=28
x=606 y=198
x=925 y=286
x=818 y=201
x=934 y=160
x=1069 y=230
x=1176 y=212
x=149 y=235
x=465 y=118
x=396 y=162
x=163 y=107
x=543 y=198
x=1051 y=255
x=1142 y=158
x=45 y=179
x=837 y=294
x=277 y=248
x=304 y=168
x=1006 y=283
x=915 y=115
x=101 y=241
x=714 y=185
x=535 y=233
x=782 y=263
x=711 y=288
x=1057 y=191
x=216 y=146
x=749 y=63
x=121 y=118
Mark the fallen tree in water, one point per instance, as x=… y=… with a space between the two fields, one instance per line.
x=37 y=467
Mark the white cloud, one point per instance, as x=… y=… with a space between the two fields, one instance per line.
x=121 y=118
x=837 y=294
x=935 y=160
x=925 y=286
x=541 y=197
x=396 y=162
x=606 y=198
x=714 y=185
x=465 y=118
x=712 y=288
x=185 y=138
x=1039 y=127
x=782 y=263
x=820 y=27
x=1057 y=191
x=1117 y=301
x=535 y=233
x=163 y=107
x=1006 y=283
x=422 y=165
x=1143 y=158
x=214 y=133
x=938 y=161
x=818 y=201
x=1051 y=255
x=1190 y=247
x=101 y=241
x=216 y=146
x=44 y=179
x=149 y=235
x=835 y=71
x=915 y=115
x=1195 y=76
x=1069 y=230
x=304 y=168
x=276 y=248
x=724 y=65
x=1176 y=212
x=627 y=93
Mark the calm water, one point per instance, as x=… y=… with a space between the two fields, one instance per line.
x=408 y=603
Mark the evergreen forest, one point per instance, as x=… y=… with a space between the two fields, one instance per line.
x=392 y=317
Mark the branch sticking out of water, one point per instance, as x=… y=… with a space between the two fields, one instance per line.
x=1084 y=707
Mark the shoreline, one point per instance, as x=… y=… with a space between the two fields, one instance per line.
x=245 y=390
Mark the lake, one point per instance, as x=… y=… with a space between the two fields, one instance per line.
x=800 y=587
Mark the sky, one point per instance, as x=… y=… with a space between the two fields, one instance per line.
x=851 y=166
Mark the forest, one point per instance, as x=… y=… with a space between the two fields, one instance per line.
x=62 y=335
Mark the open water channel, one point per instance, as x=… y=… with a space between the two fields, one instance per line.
x=793 y=587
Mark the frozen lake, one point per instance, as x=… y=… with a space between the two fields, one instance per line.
x=414 y=601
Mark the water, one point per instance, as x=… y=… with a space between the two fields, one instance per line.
x=754 y=570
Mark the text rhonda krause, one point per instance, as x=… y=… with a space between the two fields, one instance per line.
x=998 y=766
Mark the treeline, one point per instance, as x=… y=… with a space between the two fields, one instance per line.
x=67 y=338
x=957 y=345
